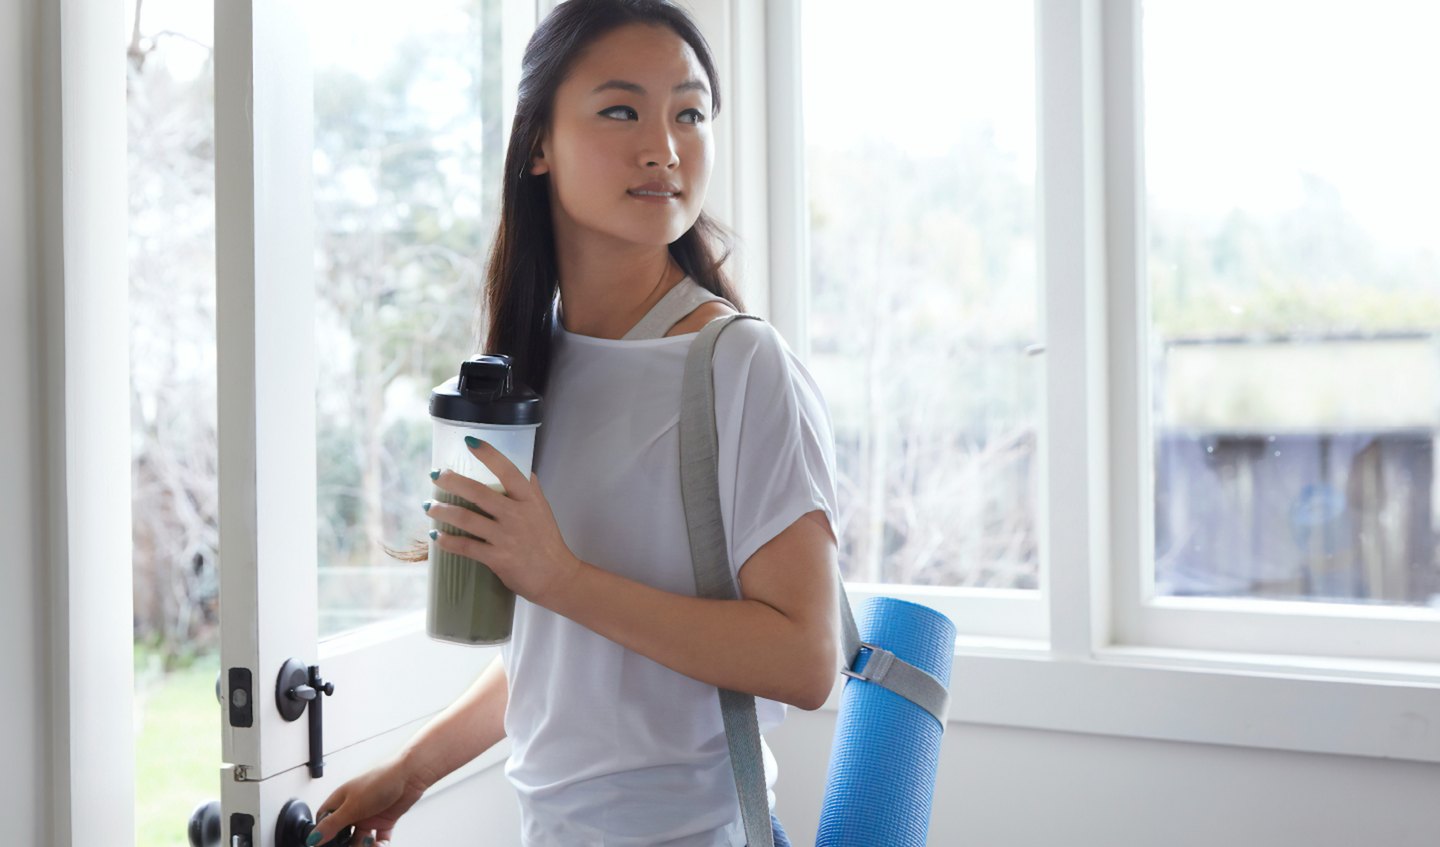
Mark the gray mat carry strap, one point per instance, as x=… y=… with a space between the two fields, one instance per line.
x=698 y=401
x=700 y=491
x=891 y=672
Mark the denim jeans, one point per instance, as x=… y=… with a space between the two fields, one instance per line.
x=781 y=839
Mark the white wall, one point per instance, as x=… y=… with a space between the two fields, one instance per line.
x=1004 y=787
x=997 y=786
x=1010 y=787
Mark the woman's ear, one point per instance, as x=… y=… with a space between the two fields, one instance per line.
x=538 y=165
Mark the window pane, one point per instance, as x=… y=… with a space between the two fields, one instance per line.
x=408 y=145
x=1294 y=267
x=920 y=151
x=174 y=499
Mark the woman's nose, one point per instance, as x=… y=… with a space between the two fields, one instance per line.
x=659 y=149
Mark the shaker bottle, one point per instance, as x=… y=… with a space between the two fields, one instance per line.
x=468 y=603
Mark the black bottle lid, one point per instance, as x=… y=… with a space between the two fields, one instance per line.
x=486 y=392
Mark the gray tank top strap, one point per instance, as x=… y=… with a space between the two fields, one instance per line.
x=684 y=298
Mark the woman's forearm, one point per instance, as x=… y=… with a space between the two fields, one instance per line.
x=468 y=727
x=742 y=645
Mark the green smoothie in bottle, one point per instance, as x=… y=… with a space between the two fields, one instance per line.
x=468 y=604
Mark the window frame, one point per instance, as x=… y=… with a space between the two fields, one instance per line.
x=1300 y=628
x=778 y=173
x=1119 y=655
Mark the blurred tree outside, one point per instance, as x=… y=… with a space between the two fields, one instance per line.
x=407 y=161
x=923 y=275
x=1312 y=270
x=404 y=211
x=172 y=301
x=169 y=89
x=924 y=287
x=404 y=214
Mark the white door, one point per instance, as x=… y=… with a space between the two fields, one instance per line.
x=295 y=208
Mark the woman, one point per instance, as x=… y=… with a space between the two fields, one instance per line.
x=607 y=689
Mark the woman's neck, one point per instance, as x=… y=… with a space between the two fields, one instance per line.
x=604 y=296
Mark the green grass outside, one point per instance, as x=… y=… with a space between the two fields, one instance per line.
x=177 y=746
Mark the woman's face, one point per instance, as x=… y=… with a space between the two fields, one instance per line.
x=632 y=116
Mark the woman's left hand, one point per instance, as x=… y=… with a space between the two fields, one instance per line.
x=519 y=540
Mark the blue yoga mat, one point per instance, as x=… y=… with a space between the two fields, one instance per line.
x=887 y=750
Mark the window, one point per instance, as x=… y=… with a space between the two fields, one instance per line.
x=409 y=142
x=1266 y=284
x=1294 y=250
x=171 y=172
x=919 y=128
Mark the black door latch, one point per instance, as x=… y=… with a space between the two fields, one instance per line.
x=298 y=689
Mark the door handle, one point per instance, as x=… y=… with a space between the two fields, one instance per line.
x=205 y=830
x=205 y=825
x=296 y=824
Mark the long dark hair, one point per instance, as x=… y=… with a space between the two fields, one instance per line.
x=516 y=314
x=521 y=277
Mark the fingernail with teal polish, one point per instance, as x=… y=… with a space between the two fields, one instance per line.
x=427 y=504
x=313 y=839
x=473 y=441
x=434 y=535
x=369 y=841
x=435 y=474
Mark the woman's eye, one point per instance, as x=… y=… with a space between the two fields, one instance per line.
x=626 y=109
x=699 y=115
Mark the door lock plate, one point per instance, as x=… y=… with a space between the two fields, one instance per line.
x=242 y=698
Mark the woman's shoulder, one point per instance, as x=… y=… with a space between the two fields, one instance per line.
x=748 y=347
x=741 y=340
x=703 y=314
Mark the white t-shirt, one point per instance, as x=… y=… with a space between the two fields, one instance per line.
x=609 y=748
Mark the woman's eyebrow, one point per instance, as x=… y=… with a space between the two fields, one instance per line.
x=622 y=85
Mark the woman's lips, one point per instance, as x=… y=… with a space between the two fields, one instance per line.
x=652 y=197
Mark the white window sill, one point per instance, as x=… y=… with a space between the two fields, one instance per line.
x=1301 y=704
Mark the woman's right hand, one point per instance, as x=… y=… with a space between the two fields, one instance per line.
x=372 y=801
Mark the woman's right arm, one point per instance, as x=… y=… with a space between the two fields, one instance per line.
x=375 y=800
x=468 y=727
